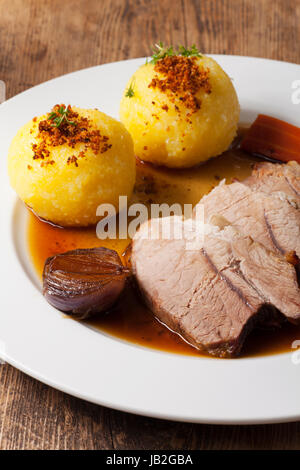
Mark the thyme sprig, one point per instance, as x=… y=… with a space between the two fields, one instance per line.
x=160 y=52
x=191 y=51
x=130 y=90
x=60 y=116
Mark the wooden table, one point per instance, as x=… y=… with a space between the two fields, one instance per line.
x=40 y=40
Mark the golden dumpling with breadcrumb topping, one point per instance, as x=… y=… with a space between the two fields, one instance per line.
x=63 y=165
x=180 y=109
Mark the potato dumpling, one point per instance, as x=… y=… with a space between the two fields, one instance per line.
x=180 y=111
x=63 y=165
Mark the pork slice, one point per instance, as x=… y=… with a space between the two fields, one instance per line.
x=272 y=276
x=211 y=296
x=268 y=219
x=270 y=178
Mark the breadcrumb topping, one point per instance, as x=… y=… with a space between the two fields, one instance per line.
x=64 y=126
x=183 y=79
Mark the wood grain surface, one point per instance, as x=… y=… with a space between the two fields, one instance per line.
x=41 y=39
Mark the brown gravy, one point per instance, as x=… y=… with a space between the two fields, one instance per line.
x=131 y=320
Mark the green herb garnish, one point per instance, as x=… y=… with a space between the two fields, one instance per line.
x=189 y=51
x=130 y=91
x=160 y=52
x=60 y=116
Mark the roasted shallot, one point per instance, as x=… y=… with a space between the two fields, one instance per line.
x=84 y=282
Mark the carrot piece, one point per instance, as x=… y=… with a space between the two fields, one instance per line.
x=273 y=138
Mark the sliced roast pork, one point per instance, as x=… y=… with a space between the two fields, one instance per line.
x=211 y=290
x=267 y=218
x=271 y=178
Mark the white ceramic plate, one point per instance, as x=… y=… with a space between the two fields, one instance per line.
x=71 y=357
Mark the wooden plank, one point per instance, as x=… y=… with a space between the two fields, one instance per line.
x=242 y=27
x=42 y=40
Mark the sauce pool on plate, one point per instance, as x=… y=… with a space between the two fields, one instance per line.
x=131 y=320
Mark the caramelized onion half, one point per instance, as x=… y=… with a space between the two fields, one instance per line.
x=84 y=282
